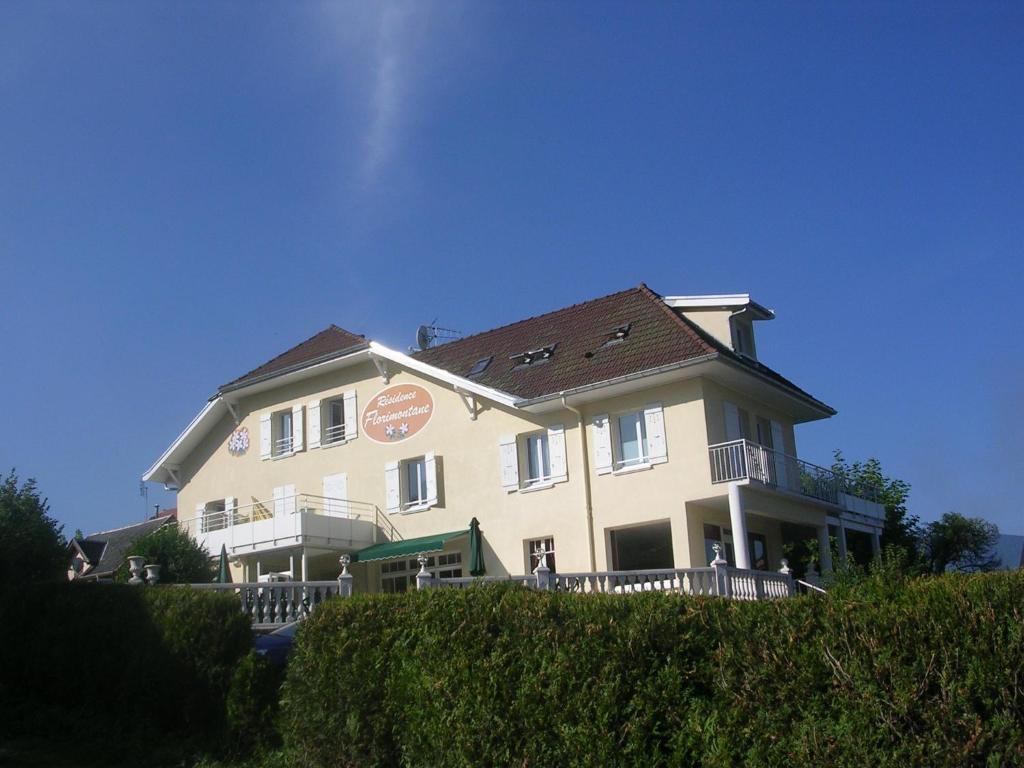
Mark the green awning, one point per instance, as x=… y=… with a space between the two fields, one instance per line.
x=392 y=549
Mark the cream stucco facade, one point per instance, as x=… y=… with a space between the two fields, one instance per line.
x=659 y=510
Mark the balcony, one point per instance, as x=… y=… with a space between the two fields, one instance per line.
x=743 y=460
x=285 y=521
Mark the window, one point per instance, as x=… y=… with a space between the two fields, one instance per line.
x=283 y=433
x=334 y=421
x=400 y=575
x=632 y=440
x=480 y=366
x=764 y=432
x=534 y=460
x=415 y=482
x=412 y=485
x=213 y=516
x=628 y=441
x=642 y=547
x=538 y=459
x=758 y=546
x=533 y=550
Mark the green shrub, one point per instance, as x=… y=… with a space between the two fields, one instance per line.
x=925 y=672
x=181 y=558
x=117 y=668
x=252 y=706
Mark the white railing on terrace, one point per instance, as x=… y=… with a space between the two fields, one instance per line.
x=746 y=460
x=277 y=603
x=302 y=503
x=722 y=581
x=283 y=445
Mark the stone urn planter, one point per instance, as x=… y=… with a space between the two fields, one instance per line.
x=135 y=569
x=152 y=574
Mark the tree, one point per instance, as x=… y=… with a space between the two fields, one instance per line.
x=181 y=559
x=867 y=480
x=32 y=547
x=961 y=543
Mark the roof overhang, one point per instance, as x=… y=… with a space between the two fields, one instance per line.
x=164 y=470
x=734 y=302
x=732 y=374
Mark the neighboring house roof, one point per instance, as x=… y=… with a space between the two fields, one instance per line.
x=585 y=351
x=331 y=342
x=106 y=550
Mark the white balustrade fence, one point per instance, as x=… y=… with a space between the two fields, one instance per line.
x=273 y=604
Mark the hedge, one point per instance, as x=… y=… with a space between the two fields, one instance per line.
x=116 y=669
x=925 y=673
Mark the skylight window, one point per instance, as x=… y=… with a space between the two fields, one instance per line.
x=533 y=357
x=480 y=366
x=619 y=335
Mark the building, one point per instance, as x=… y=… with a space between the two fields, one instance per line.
x=632 y=431
x=98 y=555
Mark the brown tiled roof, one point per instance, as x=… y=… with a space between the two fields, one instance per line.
x=332 y=341
x=657 y=337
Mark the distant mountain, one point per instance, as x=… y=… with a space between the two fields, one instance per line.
x=1011 y=551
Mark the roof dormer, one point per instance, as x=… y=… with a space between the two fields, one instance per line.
x=728 y=317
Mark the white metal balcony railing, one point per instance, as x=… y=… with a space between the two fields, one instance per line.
x=333 y=434
x=745 y=460
x=298 y=518
x=283 y=445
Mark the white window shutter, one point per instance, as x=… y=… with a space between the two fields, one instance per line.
x=779 y=446
x=297 y=440
x=265 y=437
x=278 y=500
x=556 y=453
x=200 y=510
x=313 y=428
x=733 y=431
x=289 y=499
x=509 y=462
x=229 y=510
x=351 y=416
x=430 y=470
x=392 y=487
x=602 y=445
x=654 y=420
x=336 y=494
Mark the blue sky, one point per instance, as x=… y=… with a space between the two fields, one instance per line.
x=186 y=189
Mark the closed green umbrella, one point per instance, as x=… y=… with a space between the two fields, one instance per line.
x=476 y=549
x=224 y=573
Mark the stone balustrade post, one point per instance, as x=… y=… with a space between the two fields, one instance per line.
x=345 y=578
x=542 y=573
x=786 y=571
x=723 y=586
x=424 y=580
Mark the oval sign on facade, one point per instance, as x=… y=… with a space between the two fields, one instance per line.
x=396 y=413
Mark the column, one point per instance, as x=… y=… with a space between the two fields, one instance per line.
x=842 y=542
x=824 y=550
x=738 y=518
x=876 y=545
x=305 y=564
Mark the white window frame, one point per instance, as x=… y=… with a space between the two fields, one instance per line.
x=440 y=565
x=643 y=461
x=279 y=440
x=543 y=449
x=532 y=547
x=408 y=502
x=327 y=439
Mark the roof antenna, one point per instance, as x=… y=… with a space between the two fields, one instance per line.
x=427 y=336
